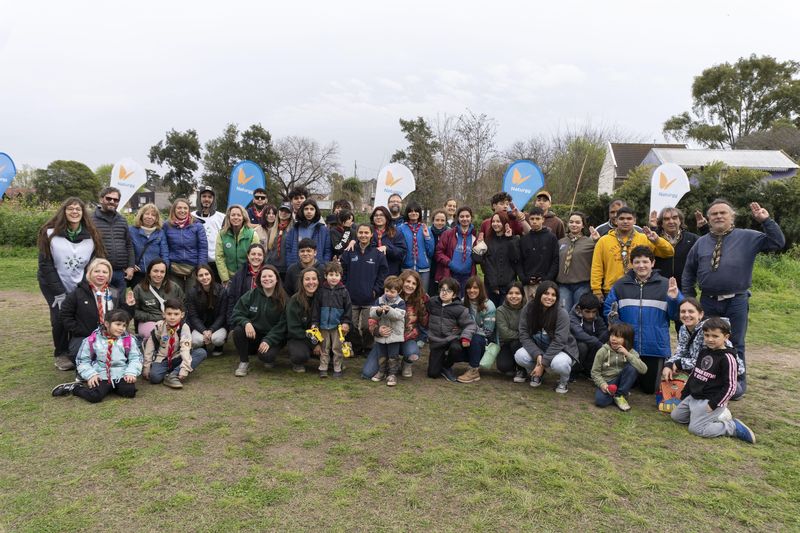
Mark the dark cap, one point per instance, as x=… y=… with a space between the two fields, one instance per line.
x=285 y=206
x=207 y=188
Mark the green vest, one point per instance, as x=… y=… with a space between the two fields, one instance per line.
x=235 y=248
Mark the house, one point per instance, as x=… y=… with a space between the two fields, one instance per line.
x=776 y=162
x=620 y=159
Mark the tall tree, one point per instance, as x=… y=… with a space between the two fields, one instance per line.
x=732 y=101
x=420 y=157
x=179 y=152
x=349 y=189
x=302 y=161
x=783 y=135
x=103 y=173
x=62 y=179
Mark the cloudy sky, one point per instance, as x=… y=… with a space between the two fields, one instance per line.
x=95 y=81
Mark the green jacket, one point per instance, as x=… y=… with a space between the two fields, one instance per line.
x=507 y=323
x=231 y=252
x=608 y=364
x=147 y=307
x=268 y=320
x=297 y=319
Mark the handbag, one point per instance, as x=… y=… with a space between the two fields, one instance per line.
x=182 y=270
x=489 y=355
x=669 y=395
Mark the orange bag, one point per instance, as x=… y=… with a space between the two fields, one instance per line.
x=671 y=391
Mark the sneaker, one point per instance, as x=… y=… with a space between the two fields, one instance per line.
x=391 y=381
x=470 y=376
x=725 y=415
x=241 y=370
x=536 y=381
x=622 y=403
x=377 y=378
x=63 y=362
x=65 y=389
x=743 y=432
x=216 y=352
x=172 y=381
x=338 y=373
x=562 y=387
x=447 y=373
x=519 y=376
x=408 y=370
x=300 y=369
x=268 y=366
x=323 y=373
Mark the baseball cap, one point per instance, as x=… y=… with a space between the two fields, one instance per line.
x=545 y=194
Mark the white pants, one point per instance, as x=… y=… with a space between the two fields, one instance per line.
x=561 y=363
x=217 y=338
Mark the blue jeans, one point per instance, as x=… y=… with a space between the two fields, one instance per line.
x=736 y=310
x=472 y=354
x=159 y=370
x=118 y=282
x=462 y=281
x=570 y=293
x=371 y=365
x=624 y=382
x=410 y=351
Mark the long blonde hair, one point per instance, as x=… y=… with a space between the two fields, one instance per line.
x=137 y=222
x=226 y=224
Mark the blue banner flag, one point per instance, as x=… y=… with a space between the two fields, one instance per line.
x=7 y=172
x=521 y=180
x=245 y=178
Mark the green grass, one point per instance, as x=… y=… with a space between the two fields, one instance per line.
x=283 y=451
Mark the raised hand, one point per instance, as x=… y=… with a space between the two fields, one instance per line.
x=654 y=219
x=593 y=233
x=699 y=218
x=508 y=231
x=672 y=288
x=759 y=213
x=651 y=235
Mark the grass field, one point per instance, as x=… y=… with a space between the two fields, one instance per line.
x=283 y=451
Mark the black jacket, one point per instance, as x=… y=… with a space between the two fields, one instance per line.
x=113 y=228
x=341 y=237
x=199 y=317
x=500 y=262
x=673 y=266
x=79 y=310
x=238 y=286
x=539 y=251
x=714 y=377
x=592 y=333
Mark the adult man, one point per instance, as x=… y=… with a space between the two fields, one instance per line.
x=212 y=222
x=297 y=196
x=551 y=221
x=611 y=257
x=613 y=208
x=258 y=207
x=539 y=251
x=395 y=205
x=501 y=203
x=113 y=229
x=450 y=207
x=721 y=263
x=306 y=257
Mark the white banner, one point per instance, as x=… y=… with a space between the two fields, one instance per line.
x=394 y=178
x=127 y=176
x=668 y=185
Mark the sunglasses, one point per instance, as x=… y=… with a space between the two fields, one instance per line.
x=111 y=200
x=259 y=197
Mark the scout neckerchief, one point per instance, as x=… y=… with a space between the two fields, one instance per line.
x=110 y=341
x=568 y=260
x=414 y=250
x=464 y=235
x=624 y=247
x=716 y=255
x=72 y=235
x=100 y=294
x=673 y=240
x=170 y=346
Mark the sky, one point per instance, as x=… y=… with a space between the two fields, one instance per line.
x=99 y=81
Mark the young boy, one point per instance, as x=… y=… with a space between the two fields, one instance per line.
x=615 y=367
x=108 y=360
x=307 y=257
x=168 y=354
x=387 y=323
x=332 y=308
x=450 y=330
x=710 y=386
x=590 y=331
x=539 y=249
x=341 y=232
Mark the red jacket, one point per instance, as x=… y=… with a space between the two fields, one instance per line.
x=444 y=252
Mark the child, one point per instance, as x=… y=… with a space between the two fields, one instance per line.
x=332 y=308
x=483 y=312
x=387 y=322
x=450 y=330
x=342 y=233
x=307 y=257
x=109 y=360
x=615 y=367
x=710 y=386
x=589 y=329
x=168 y=354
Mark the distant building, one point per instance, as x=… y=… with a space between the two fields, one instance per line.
x=776 y=162
x=620 y=159
x=18 y=192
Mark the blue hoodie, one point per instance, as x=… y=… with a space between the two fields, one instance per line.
x=457 y=263
x=425 y=248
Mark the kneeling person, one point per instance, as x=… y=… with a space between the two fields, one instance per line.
x=168 y=354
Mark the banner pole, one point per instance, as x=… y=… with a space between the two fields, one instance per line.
x=575 y=194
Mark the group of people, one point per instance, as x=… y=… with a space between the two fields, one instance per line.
x=565 y=299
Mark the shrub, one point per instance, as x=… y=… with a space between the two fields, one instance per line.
x=20 y=222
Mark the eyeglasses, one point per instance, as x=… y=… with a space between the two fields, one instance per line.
x=446 y=289
x=73 y=209
x=259 y=197
x=111 y=199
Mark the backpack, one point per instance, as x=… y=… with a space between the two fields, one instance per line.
x=126 y=344
x=669 y=396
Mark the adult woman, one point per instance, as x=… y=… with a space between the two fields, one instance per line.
x=85 y=308
x=500 y=261
x=298 y=320
x=233 y=240
x=259 y=321
x=419 y=242
x=454 y=250
x=545 y=337
x=575 y=252
x=387 y=239
x=508 y=332
x=187 y=242
x=246 y=278
x=149 y=240
x=438 y=226
x=150 y=295
x=207 y=311
x=308 y=226
x=67 y=242
x=269 y=229
x=277 y=254
x=690 y=342
x=482 y=311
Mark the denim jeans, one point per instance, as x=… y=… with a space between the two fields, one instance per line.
x=471 y=355
x=624 y=382
x=371 y=365
x=159 y=370
x=570 y=293
x=736 y=310
x=118 y=281
x=410 y=351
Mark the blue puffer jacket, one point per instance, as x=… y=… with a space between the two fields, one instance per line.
x=425 y=248
x=318 y=232
x=187 y=245
x=331 y=307
x=648 y=309
x=156 y=245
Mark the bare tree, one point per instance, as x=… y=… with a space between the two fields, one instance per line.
x=303 y=162
x=538 y=149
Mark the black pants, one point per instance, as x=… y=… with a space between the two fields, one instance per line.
x=245 y=347
x=443 y=356
x=299 y=350
x=586 y=355
x=60 y=334
x=505 y=358
x=651 y=381
x=103 y=389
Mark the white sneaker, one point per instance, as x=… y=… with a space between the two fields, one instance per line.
x=408 y=370
x=241 y=370
x=725 y=416
x=562 y=387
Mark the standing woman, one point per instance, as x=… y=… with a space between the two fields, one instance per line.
x=438 y=226
x=67 y=242
x=298 y=320
x=483 y=312
x=500 y=261
x=308 y=226
x=508 y=332
x=454 y=250
x=187 y=242
x=233 y=240
x=246 y=278
x=149 y=297
x=149 y=240
x=269 y=228
x=545 y=337
x=207 y=312
x=387 y=240
x=419 y=243
x=259 y=321
x=575 y=251
x=276 y=256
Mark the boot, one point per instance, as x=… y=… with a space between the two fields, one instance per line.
x=470 y=376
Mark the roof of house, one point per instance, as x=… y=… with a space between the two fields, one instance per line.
x=770 y=160
x=628 y=156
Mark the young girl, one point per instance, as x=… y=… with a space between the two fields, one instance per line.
x=109 y=360
x=545 y=337
x=277 y=253
x=438 y=226
x=450 y=330
x=615 y=367
x=149 y=241
x=416 y=319
x=150 y=294
x=308 y=225
x=500 y=261
x=269 y=228
x=508 y=332
x=168 y=353
x=233 y=241
x=387 y=322
x=575 y=251
x=187 y=242
x=387 y=240
x=207 y=310
x=482 y=311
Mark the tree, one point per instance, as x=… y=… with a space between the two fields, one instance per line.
x=62 y=179
x=180 y=152
x=420 y=158
x=349 y=189
x=783 y=135
x=103 y=173
x=227 y=150
x=732 y=101
x=302 y=161
x=537 y=149
x=25 y=177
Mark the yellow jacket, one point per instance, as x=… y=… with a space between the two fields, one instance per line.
x=607 y=258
